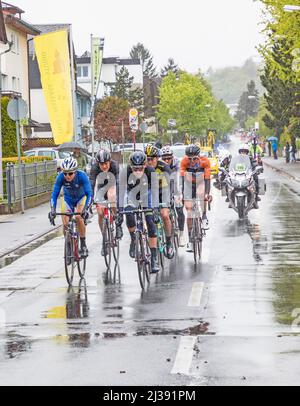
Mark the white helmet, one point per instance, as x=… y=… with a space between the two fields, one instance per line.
x=69 y=165
x=245 y=148
x=224 y=155
x=166 y=151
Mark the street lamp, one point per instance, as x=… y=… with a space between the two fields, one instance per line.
x=290 y=8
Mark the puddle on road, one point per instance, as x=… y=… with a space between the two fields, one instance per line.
x=21 y=252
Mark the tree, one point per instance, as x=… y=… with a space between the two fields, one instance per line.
x=248 y=104
x=170 y=67
x=9 y=139
x=184 y=100
x=143 y=54
x=124 y=89
x=110 y=113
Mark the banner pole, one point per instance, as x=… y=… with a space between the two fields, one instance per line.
x=73 y=84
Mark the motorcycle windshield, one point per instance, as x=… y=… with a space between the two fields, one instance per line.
x=240 y=164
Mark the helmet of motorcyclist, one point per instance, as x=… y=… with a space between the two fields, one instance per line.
x=103 y=157
x=244 y=149
x=138 y=158
x=151 y=151
x=192 y=151
x=69 y=164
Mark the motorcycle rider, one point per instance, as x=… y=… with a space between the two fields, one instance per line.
x=224 y=159
x=245 y=150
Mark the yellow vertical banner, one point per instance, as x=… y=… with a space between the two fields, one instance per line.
x=52 y=51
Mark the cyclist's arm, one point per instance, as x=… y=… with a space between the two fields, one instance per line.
x=207 y=175
x=93 y=176
x=56 y=191
x=88 y=190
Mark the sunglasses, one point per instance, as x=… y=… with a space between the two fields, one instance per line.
x=69 y=174
x=168 y=158
x=195 y=158
x=138 y=169
x=150 y=159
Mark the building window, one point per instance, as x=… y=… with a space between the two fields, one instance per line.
x=79 y=71
x=15 y=43
x=14 y=84
x=85 y=71
x=4 y=83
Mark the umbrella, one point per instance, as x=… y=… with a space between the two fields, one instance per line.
x=70 y=145
x=273 y=139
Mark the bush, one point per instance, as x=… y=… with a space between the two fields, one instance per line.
x=9 y=139
x=25 y=160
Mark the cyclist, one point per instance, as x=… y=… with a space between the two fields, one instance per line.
x=192 y=166
x=78 y=196
x=138 y=175
x=174 y=164
x=165 y=184
x=107 y=172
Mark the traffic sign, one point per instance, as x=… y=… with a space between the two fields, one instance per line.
x=172 y=123
x=134 y=120
x=17 y=109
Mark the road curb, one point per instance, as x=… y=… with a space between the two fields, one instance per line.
x=282 y=172
x=24 y=244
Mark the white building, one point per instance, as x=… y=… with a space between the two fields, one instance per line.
x=14 y=64
x=110 y=68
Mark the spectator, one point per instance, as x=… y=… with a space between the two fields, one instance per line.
x=270 y=148
x=287 y=152
x=81 y=159
x=293 y=150
x=275 y=149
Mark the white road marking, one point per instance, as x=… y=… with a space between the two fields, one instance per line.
x=184 y=356
x=196 y=295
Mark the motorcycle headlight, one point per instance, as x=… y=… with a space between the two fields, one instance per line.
x=235 y=183
x=245 y=183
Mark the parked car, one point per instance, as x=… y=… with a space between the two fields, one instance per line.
x=53 y=153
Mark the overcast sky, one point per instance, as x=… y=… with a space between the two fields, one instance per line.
x=196 y=33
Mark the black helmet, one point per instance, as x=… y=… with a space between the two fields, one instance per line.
x=158 y=145
x=138 y=158
x=192 y=150
x=103 y=157
x=151 y=151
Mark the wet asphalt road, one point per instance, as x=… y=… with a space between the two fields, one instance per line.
x=227 y=321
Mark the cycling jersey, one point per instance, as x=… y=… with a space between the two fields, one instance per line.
x=96 y=171
x=201 y=165
x=74 y=191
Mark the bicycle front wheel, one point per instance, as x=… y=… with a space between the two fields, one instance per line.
x=143 y=260
x=107 y=244
x=70 y=260
x=197 y=240
x=115 y=245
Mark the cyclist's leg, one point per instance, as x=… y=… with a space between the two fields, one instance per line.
x=112 y=198
x=67 y=207
x=152 y=232
x=81 y=227
x=131 y=225
x=181 y=225
x=165 y=215
x=100 y=211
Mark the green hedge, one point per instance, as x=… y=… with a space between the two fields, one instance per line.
x=9 y=138
x=25 y=160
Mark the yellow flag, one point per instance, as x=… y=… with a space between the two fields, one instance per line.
x=52 y=51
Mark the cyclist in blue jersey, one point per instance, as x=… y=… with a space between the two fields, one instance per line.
x=78 y=197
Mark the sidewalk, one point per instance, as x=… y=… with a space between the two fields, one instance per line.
x=290 y=170
x=19 y=229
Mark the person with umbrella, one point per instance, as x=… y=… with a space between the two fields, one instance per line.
x=76 y=148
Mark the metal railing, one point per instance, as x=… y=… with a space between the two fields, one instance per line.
x=38 y=178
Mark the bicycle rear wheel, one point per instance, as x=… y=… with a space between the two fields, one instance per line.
x=197 y=240
x=107 y=244
x=82 y=268
x=69 y=257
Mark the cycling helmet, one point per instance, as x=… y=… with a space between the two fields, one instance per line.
x=103 y=157
x=158 y=145
x=244 y=148
x=138 y=158
x=167 y=151
x=152 y=151
x=192 y=150
x=69 y=165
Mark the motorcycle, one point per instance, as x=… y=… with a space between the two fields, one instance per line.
x=239 y=185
